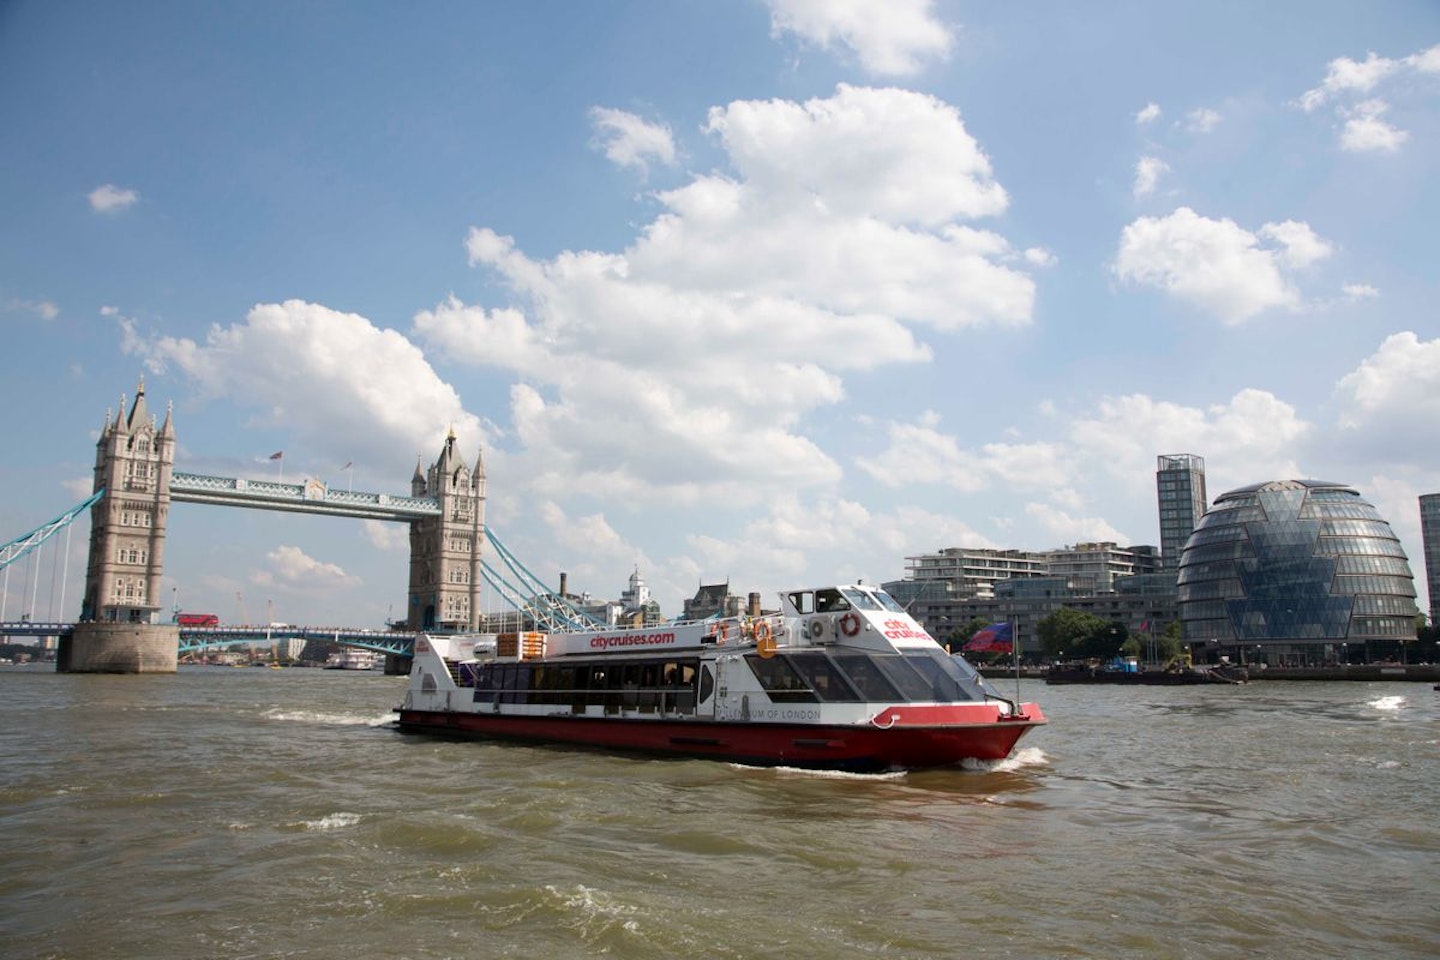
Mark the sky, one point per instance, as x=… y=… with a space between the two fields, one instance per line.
x=769 y=292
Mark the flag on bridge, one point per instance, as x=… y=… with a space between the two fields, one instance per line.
x=996 y=638
x=278 y=455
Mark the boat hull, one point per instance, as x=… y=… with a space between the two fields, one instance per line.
x=859 y=748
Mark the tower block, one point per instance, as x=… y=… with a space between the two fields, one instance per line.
x=445 y=572
x=118 y=630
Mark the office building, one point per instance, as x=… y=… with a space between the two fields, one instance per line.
x=1180 y=493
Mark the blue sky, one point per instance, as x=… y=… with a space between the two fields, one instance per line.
x=772 y=293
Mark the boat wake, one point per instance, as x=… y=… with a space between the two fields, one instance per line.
x=825 y=774
x=329 y=719
x=1019 y=760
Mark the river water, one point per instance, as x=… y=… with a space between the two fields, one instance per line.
x=238 y=813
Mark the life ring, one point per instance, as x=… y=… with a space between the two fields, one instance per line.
x=850 y=624
x=763 y=632
x=722 y=633
x=765 y=646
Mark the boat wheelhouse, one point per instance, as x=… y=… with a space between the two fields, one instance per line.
x=837 y=678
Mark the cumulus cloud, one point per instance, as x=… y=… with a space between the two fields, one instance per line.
x=629 y=141
x=839 y=230
x=1366 y=132
x=109 y=198
x=291 y=567
x=1148 y=114
x=1218 y=265
x=1064 y=528
x=1148 y=171
x=1359 y=291
x=895 y=38
x=1348 y=84
x=1394 y=393
x=340 y=386
x=921 y=453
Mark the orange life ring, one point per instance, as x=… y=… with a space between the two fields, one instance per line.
x=763 y=632
x=722 y=633
x=850 y=624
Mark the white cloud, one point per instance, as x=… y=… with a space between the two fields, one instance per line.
x=340 y=387
x=1216 y=264
x=290 y=567
x=1348 y=80
x=1202 y=120
x=919 y=453
x=1255 y=434
x=1394 y=393
x=1064 y=528
x=1148 y=114
x=895 y=38
x=1359 y=291
x=1148 y=171
x=389 y=537
x=629 y=141
x=44 y=309
x=109 y=198
x=1365 y=132
x=1349 y=76
x=839 y=230
x=1040 y=257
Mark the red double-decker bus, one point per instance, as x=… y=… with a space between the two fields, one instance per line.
x=197 y=619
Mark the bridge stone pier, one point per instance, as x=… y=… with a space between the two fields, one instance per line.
x=96 y=647
x=119 y=630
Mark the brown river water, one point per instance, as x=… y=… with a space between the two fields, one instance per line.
x=248 y=813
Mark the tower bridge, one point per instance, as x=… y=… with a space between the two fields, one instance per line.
x=119 y=629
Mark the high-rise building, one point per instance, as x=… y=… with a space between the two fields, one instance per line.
x=1180 y=492
x=1430 y=546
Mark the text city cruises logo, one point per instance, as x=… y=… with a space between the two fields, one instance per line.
x=644 y=640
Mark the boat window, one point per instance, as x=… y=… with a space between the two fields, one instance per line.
x=823 y=676
x=947 y=681
x=779 y=679
x=897 y=671
x=866 y=677
x=888 y=602
x=803 y=601
x=861 y=599
x=830 y=600
x=707 y=683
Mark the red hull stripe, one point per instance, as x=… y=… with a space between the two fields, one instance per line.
x=904 y=744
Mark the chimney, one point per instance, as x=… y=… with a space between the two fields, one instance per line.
x=754 y=604
x=563 y=578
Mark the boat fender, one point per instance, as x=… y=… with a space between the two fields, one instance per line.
x=850 y=624
x=817 y=628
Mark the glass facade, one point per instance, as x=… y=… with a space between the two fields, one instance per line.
x=1430 y=540
x=1302 y=569
x=1180 y=494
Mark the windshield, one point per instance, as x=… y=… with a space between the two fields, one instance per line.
x=860 y=599
x=888 y=602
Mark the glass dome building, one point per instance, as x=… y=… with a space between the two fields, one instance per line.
x=1295 y=572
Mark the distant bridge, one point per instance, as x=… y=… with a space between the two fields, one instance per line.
x=193 y=639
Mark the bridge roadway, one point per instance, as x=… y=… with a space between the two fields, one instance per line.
x=312 y=496
x=202 y=638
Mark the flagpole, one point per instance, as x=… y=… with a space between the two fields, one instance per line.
x=1015 y=646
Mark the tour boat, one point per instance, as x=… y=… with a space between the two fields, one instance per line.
x=839 y=678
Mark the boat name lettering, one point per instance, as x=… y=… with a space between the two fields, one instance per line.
x=784 y=713
x=900 y=630
x=644 y=640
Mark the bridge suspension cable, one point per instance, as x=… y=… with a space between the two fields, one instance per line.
x=549 y=610
x=23 y=544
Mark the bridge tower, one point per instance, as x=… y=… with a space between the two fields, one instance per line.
x=445 y=571
x=118 y=630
